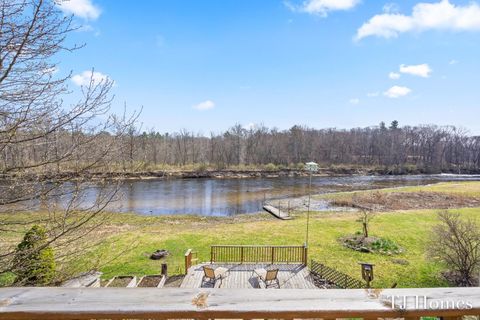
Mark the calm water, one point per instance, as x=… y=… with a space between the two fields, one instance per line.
x=221 y=197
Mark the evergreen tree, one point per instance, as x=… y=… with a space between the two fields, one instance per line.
x=394 y=125
x=34 y=259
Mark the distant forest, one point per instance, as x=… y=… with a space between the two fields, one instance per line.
x=407 y=149
x=427 y=148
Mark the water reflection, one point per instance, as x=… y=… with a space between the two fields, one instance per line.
x=222 y=197
x=225 y=197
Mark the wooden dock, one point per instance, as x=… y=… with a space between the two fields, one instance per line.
x=277 y=213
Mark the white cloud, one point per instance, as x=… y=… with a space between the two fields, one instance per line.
x=453 y=61
x=81 y=8
x=391 y=8
x=420 y=70
x=425 y=16
x=205 y=105
x=373 y=94
x=84 y=78
x=322 y=7
x=354 y=101
x=397 y=92
x=394 y=75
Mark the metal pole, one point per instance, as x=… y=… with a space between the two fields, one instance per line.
x=308 y=209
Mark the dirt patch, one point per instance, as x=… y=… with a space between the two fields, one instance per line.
x=150 y=282
x=120 y=282
x=382 y=201
x=174 y=281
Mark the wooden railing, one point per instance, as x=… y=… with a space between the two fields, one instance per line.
x=190 y=259
x=258 y=254
x=204 y=303
x=339 y=279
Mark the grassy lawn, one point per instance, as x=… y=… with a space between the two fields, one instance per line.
x=409 y=229
x=133 y=237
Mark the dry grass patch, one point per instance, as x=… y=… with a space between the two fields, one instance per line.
x=391 y=201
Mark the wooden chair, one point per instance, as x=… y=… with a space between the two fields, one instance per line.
x=211 y=275
x=269 y=277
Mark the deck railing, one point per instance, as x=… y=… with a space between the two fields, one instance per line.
x=188 y=260
x=339 y=279
x=258 y=254
x=191 y=259
x=203 y=303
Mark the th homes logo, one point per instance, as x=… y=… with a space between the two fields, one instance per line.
x=426 y=303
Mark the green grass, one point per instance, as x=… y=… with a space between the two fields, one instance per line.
x=409 y=229
x=133 y=237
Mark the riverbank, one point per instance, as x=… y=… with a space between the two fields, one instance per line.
x=443 y=195
x=240 y=172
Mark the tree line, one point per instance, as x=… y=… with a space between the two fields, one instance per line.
x=407 y=149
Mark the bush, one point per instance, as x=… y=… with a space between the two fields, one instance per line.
x=360 y=243
x=271 y=167
x=202 y=167
x=385 y=246
x=455 y=242
x=34 y=261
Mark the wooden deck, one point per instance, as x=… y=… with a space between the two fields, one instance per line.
x=291 y=276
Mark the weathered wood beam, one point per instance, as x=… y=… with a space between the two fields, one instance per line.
x=153 y=303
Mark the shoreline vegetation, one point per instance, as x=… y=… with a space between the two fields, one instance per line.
x=128 y=239
x=236 y=172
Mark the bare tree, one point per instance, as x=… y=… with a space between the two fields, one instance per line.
x=428 y=149
x=49 y=149
x=364 y=218
x=455 y=242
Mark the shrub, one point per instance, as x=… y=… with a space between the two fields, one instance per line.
x=456 y=243
x=358 y=242
x=385 y=246
x=202 y=167
x=34 y=261
x=271 y=167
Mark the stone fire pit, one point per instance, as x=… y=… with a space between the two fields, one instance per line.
x=159 y=254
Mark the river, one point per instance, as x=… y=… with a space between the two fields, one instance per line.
x=226 y=197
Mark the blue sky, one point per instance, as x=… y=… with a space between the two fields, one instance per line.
x=206 y=65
